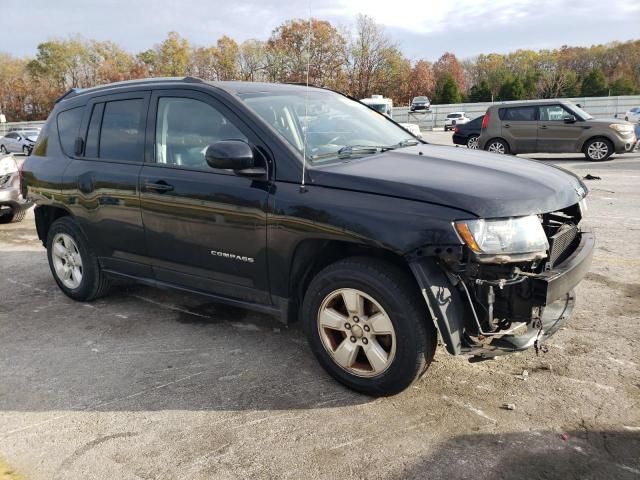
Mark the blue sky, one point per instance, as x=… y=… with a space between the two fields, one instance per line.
x=422 y=29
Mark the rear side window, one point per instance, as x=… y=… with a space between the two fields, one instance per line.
x=122 y=132
x=69 y=128
x=518 y=114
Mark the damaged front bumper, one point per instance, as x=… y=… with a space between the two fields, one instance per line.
x=549 y=298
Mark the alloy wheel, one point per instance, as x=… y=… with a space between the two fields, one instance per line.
x=598 y=150
x=356 y=332
x=497 y=147
x=472 y=143
x=67 y=260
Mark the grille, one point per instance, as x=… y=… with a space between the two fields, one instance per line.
x=560 y=243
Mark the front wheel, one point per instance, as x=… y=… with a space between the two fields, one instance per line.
x=497 y=145
x=472 y=142
x=368 y=326
x=73 y=264
x=598 y=149
x=25 y=151
x=14 y=216
x=3 y=150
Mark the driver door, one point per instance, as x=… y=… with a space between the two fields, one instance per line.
x=554 y=134
x=205 y=228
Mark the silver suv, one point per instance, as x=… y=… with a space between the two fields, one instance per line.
x=553 y=127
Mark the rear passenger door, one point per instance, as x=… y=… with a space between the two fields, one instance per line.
x=519 y=126
x=102 y=180
x=205 y=228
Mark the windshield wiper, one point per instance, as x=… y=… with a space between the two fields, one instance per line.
x=408 y=142
x=349 y=150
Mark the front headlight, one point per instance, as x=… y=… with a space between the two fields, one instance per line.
x=504 y=236
x=622 y=127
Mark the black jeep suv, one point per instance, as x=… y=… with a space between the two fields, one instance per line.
x=302 y=203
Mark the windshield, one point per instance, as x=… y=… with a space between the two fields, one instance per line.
x=581 y=113
x=421 y=99
x=334 y=126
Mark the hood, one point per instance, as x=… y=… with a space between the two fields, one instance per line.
x=607 y=121
x=33 y=138
x=480 y=183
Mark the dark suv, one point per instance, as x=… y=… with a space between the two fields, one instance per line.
x=302 y=203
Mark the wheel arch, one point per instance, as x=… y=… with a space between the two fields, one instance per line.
x=45 y=215
x=313 y=255
x=596 y=137
x=486 y=144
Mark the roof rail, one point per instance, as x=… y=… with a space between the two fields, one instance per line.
x=71 y=91
x=190 y=79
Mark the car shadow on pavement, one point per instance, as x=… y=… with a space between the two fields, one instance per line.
x=141 y=348
x=535 y=455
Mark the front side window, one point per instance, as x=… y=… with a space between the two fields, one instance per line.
x=328 y=122
x=519 y=114
x=186 y=127
x=121 y=135
x=69 y=128
x=553 y=113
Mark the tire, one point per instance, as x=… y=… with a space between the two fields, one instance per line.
x=381 y=364
x=3 y=150
x=472 y=142
x=13 y=217
x=497 y=145
x=92 y=282
x=25 y=151
x=598 y=149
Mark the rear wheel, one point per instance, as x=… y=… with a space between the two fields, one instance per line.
x=73 y=264
x=472 y=142
x=3 y=149
x=497 y=145
x=367 y=325
x=598 y=149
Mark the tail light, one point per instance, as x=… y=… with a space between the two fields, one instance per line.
x=455 y=130
x=485 y=121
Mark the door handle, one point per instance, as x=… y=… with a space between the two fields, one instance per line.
x=160 y=186
x=543 y=127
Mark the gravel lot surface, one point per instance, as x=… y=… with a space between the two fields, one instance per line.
x=152 y=384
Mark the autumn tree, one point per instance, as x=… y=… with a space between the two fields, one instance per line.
x=172 y=56
x=298 y=45
x=252 y=60
x=447 y=67
x=421 y=80
x=369 y=54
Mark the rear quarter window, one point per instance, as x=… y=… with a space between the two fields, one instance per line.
x=69 y=128
x=42 y=144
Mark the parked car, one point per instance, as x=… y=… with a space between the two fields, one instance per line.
x=377 y=242
x=468 y=133
x=631 y=115
x=420 y=103
x=13 y=206
x=455 y=118
x=553 y=127
x=18 y=141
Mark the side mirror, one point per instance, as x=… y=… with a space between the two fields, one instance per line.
x=570 y=119
x=230 y=155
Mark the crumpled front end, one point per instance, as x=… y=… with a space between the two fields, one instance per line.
x=487 y=307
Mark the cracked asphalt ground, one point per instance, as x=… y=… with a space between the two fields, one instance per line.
x=152 y=384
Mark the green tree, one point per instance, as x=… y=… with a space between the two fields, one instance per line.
x=447 y=90
x=594 y=84
x=480 y=93
x=622 y=86
x=512 y=89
